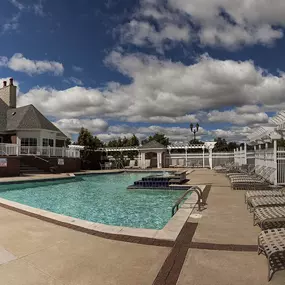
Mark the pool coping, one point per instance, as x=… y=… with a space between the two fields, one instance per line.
x=163 y=237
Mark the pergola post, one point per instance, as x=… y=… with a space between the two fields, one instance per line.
x=275 y=160
x=143 y=160
x=210 y=159
x=159 y=159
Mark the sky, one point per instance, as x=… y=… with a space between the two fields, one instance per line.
x=119 y=67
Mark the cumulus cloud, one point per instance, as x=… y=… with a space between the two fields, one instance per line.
x=143 y=33
x=39 y=8
x=225 y=23
x=233 y=133
x=77 y=68
x=17 y=4
x=72 y=126
x=168 y=92
x=73 y=80
x=11 y=24
x=20 y=63
x=3 y=60
x=236 y=118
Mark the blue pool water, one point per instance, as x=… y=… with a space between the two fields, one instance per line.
x=98 y=198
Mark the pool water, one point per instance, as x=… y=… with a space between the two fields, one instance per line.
x=98 y=198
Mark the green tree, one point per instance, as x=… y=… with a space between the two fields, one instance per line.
x=161 y=138
x=96 y=143
x=195 y=141
x=232 y=146
x=221 y=145
x=133 y=141
x=85 y=138
x=68 y=142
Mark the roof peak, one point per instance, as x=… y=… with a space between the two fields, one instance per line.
x=152 y=144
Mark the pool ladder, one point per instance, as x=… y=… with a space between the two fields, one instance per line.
x=200 y=200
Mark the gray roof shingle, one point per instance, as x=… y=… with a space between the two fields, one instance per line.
x=152 y=144
x=23 y=118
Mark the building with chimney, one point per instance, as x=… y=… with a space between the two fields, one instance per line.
x=25 y=126
x=29 y=142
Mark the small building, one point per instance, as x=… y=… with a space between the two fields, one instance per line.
x=25 y=126
x=29 y=141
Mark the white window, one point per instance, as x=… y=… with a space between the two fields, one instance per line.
x=29 y=142
x=47 y=142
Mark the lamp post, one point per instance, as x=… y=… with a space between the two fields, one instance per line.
x=194 y=130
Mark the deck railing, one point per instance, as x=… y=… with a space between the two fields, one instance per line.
x=14 y=149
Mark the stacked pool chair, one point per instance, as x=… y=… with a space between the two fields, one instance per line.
x=252 y=181
x=268 y=208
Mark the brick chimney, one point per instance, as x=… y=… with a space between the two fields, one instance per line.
x=8 y=93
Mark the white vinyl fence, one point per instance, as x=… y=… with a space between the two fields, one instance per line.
x=265 y=157
x=281 y=166
x=199 y=159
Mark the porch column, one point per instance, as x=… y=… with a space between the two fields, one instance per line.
x=186 y=156
x=54 y=147
x=259 y=146
x=143 y=160
x=275 y=160
x=18 y=150
x=266 y=145
x=210 y=159
x=159 y=160
x=254 y=147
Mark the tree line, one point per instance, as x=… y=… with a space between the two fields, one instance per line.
x=85 y=138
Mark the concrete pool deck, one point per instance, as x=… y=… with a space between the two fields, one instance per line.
x=217 y=247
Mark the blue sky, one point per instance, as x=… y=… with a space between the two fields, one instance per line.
x=145 y=66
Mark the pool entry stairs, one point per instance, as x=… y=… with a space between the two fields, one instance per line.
x=26 y=169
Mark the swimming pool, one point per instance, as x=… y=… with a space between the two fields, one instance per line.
x=98 y=198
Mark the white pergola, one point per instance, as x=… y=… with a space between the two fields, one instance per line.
x=160 y=150
x=279 y=122
x=206 y=145
x=264 y=135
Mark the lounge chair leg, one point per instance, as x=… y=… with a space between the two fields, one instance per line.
x=270 y=272
x=259 y=249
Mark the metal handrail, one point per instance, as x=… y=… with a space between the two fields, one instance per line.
x=35 y=156
x=200 y=201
